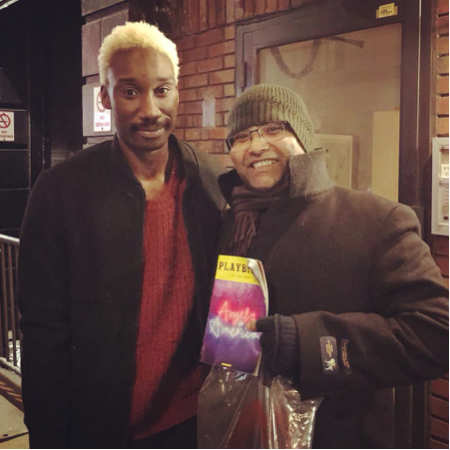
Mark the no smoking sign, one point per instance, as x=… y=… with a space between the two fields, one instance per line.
x=7 y=126
x=102 y=116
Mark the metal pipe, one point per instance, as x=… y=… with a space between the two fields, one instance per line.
x=9 y=239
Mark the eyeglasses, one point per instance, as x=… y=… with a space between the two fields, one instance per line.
x=270 y=132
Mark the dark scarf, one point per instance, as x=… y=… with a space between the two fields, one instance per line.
x=247 y=205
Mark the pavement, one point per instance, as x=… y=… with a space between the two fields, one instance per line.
x=13 y=432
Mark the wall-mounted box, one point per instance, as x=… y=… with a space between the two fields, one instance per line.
x=439 y=204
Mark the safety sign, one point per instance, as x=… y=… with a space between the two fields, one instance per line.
x=7 y=126
x=102 y=116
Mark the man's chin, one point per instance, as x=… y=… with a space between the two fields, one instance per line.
x=151 y=144
x=262 y=186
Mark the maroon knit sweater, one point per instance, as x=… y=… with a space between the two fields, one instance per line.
x=168 y=290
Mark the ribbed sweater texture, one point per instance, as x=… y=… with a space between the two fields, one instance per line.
x=162 y=395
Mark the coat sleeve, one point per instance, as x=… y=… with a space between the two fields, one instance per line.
x=45 y=319
x=402 y=337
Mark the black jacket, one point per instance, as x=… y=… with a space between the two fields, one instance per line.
x=80 y=282
x=351 y=266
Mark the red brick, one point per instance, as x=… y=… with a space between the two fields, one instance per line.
x=224 y=104
x=203 y=15
x=196 y=80
x=193 y=120
x=195 y=54
x=193 y=108
x=230 y=32
x=439 y=428
x=230 y=11
x=220 y=11
x=271 y=5
x=439 y=407
x=442 y=106
x=208 y=65
x=283 y=4
x=222 y=48
x=442 y=25
x=226 y=116
x=222 y=76
x=195 y=17
x=188 y=68
x=260 y=7
x=186 y=43
x=442 y=65
x=442 y=85
x=439 y=387
x=206 y=146
x=442 y=126
x=249 y=8
x=180 y=83
x=195 y=134
x=188 y=95
x=442 y=263
x=436 y=445
x=220 y=147
x=216 y=91
x=181 y=121
x=219 y=120
x=212 y=20
x=439 y=246
x=218 y=133
x=229 y=61
x=210 y=37
x=442 y=45
x=442 y=6
x=180 y=134
x=238 y=9
x=186 y=24
x=229 y=90
x=180 y=109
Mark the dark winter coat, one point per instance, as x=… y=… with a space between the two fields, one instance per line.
x=351 y=267
x=80 y=282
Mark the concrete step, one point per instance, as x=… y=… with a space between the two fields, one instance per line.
x=13 y=432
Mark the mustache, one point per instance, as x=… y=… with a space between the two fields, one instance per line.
x=152 y=125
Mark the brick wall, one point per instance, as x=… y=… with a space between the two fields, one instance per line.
x=439 y=405
x=207 y=52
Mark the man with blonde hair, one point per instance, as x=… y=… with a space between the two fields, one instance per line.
x=117 y=249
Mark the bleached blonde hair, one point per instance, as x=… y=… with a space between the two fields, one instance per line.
x=136 y=34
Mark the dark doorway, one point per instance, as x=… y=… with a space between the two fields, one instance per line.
x=40 y=93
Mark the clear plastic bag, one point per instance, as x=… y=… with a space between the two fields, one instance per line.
x=236 y=410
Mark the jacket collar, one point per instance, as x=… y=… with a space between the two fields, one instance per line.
x=308 y=176
x=120 y=166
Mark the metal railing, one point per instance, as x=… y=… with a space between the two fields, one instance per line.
x=10 y=335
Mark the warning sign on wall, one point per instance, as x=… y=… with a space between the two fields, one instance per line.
x=7 y=126
x=102 y=116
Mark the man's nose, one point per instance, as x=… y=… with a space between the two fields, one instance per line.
x=258 y=144
x=149 y=108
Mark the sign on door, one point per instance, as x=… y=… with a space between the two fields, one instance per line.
x=102 y=116
x=7 y=126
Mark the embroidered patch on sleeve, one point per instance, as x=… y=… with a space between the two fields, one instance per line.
x=329 y=352
x=344 y=356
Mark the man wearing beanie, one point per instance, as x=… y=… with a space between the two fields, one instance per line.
x=116 y=258
x=357 y=304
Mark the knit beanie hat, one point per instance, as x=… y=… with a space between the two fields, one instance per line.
x=264 y=103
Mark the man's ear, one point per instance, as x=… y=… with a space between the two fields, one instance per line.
x=106 y=101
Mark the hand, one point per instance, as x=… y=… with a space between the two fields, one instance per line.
x=279 y=343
